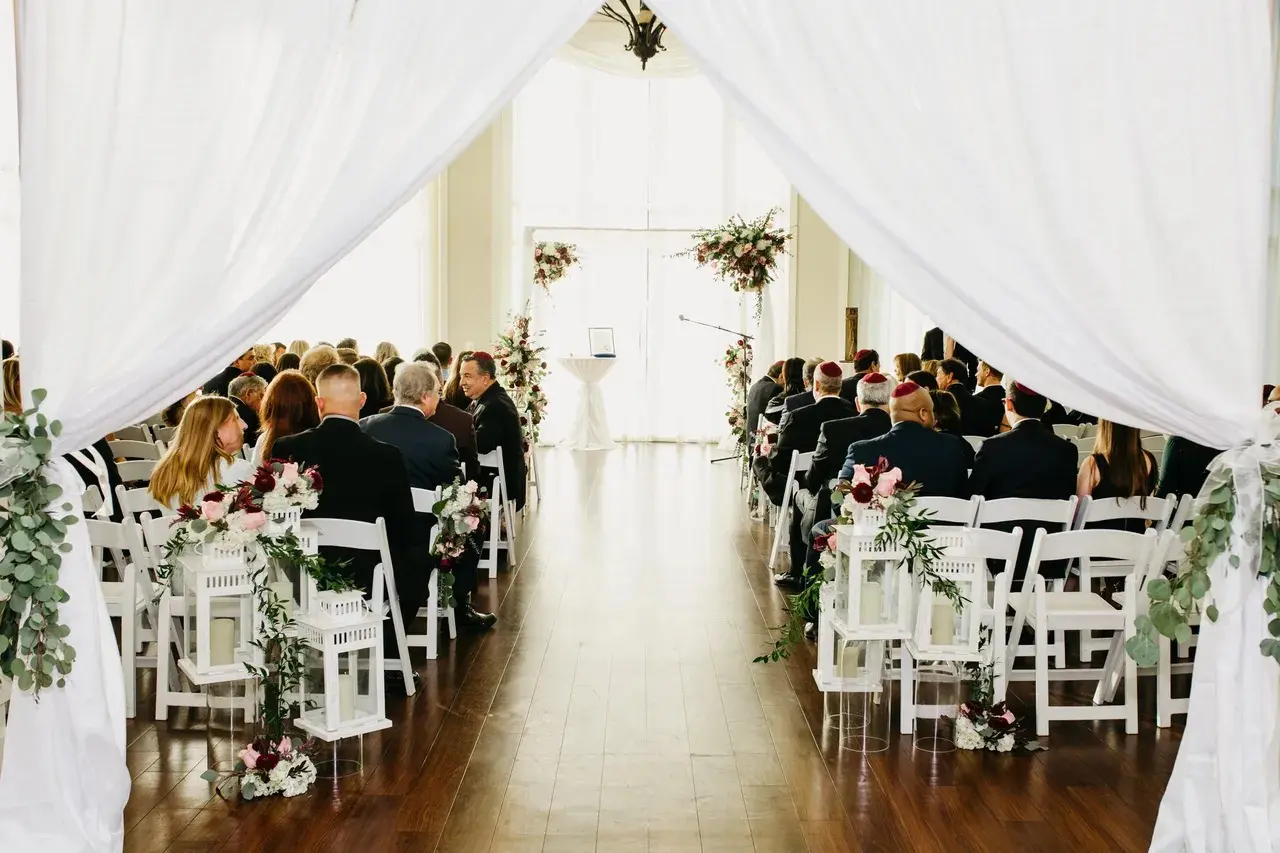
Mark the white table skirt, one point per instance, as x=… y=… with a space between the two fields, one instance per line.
x=591 y=427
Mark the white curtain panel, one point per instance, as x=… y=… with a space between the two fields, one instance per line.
x=188 y=170
x=1078 y=191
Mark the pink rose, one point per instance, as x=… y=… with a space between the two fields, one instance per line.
x=284 y=747
x=471 y=521
x=250 y=757
x=888 y=481
x=860 y=474
x=213 y=510
x=1007 y=716
x=254 y=520
x=289 y=473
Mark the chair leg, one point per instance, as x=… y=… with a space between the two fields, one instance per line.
x=1042 y=663
x=163 y=659
x=433 y=616
x=1060 y=649
x=397 y=625
x=128 y=639
x=1130 y=665
x=784 y=523
x=907 y=687
x=1164 y=684
x=495 y=528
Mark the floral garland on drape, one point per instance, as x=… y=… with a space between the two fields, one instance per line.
x=522 y=367
x=741 y=252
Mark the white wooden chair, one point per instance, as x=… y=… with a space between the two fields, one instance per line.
x=136 y=470
x=1088 y=430
x=1066 y=430
x=1154 y=444
x=128 y=598
x=91 y=499
x=951 y=510
x=1045 y=611
x=136 y=500
x=122 y=449
x=433 y=612
x=1171 y=550
x=800 y=462
x=366 y=536
x=141 y=432
x=535 y=480
x=164 y=433
x=501 y=536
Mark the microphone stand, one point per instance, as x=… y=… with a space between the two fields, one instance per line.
x=745 y=444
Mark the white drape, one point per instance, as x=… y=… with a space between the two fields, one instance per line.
x=187 y=171
x=1076 y=190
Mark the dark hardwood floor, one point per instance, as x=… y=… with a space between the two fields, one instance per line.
x=615 y=708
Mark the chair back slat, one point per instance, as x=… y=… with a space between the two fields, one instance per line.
x=165 y=433
x=121 y=449
x=951 y=510
x=133 y=433
x=1155 y=510
x=136 y=470
x=139 y=500
x=424 y=500
x=1026 y=509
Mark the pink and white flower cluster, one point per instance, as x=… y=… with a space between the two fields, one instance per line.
x=461 y=514
x=229 y=515
x=766 y=438
x=870 y=487
x=551 y=260
x=283 y=486
x=274 y=768
x=982 y=727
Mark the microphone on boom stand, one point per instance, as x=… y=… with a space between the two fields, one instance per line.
x=739 y=454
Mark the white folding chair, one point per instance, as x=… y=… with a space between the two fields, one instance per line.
x=535 y=481
x=1084 y=442
x=122 y=449
x=1171 y=550
x=1044 y=611
x=136 y=470
x=501 y=536
x=800 y=462
x=133 y=433
x=1155 y=511
x=136 y=500
x=951 y=510
x=1154 y=444
x=128 y=598
x=423 y=501
x=91 y=499
x=1088 y=430
x=1066 y=430
x=164 y=433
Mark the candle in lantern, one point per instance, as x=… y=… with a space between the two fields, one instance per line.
x=346 y=697
x=222 y=642
x=872 y=599
x=284 y=592
x=943 y=625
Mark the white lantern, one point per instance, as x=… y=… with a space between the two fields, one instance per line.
x=872 y=587
x=284 y=521
x=342 y=694
x=220 y=618
x=942 y=632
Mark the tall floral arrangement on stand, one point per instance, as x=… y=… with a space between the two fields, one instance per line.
x=462 y=513
x=551 y=261
x=737 y=367
x=522 y=367
x=741 y=252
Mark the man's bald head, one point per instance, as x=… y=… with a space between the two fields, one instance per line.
x=911 y=404
x=338 y=391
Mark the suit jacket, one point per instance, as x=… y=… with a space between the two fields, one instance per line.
x=429 y=452
x=1028 y=461
x=364 y=479
x=932 y=459
x=978 y=415
x=758 y=397
x=833 y=445
x=993 y=393
x=252 y=422
x=218 y=384
x=849 y=387
x=934 y=346
x=798 y=401
x=463 y=429
x=498 y=425
x=800 y=432
x=1184 y=467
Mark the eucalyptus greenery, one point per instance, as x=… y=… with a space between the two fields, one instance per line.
x=1175 y=600
x=33 y=647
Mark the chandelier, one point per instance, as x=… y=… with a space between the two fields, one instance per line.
x=644 y=29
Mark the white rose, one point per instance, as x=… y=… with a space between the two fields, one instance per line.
x=739 y=250
x=1005 y=744
x=762 y=244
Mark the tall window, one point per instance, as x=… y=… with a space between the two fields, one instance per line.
x=626 y=168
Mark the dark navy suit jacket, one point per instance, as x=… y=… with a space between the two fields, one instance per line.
x=429 y=451
x=934 y=460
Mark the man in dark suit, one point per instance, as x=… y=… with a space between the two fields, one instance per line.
x=939 y=345
x=460 y=424
x=990 y=385
x=246 y=392
x=364 y=480
x=800 y=430
x=807 y=397
x=813 y=502
x=864 y=361
x=218 y=384
x=760 y=393
x=1028 y=461
x=978 y=415
x=934 y=460
x=431 y=461
x=497 y=422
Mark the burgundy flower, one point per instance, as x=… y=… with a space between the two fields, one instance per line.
x=264 y=480
x=267 y=762
x=215 y=497
x=524 y=421
x=544 y=365
x=316 y=482
x=862 y=493
x=535 y=389
x=187 y=512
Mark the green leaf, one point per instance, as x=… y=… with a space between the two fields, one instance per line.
x=24 y=572
x=1182 y=633
x=1143 y=650
x=1212 y=612
x=209 y=775
x=1234 y=561
x=1165 y=618
x=38 y=396
x=1159 y=589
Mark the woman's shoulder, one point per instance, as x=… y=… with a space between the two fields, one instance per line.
x=236 y=471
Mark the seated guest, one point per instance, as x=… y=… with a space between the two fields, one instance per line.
x=930 y=365
x=946 y=420
x=218 y=384
x=497 y=423
x=978 y=416
x=431 y=460
x=299 y=348
x=938 y=346
x=813 y=502
x=935 y=461
x=864 y=361
x=453 y=393
x=1028 y=461
x=990 y=384
x=6 y=349
x=458 y=423
x=905 y=364
x=924 y=378
x=347 y=343
x=288 y=408
x=364 y=480
x=246 y=392
x=1184 y=467
x=316 y=360
x=262 y=352
x=391 y=365
x=444 y=355
x=951 y=348
x=374 y=384
x=800 y=430
x=792 y=384
x=266 y=370
x=204 y=453
x=347 y=355
x=759 y=395
x=385 y=350
x=277 y=349
x=1118 y=468
x=807 y=396
x=172 y=414
x=289 y=361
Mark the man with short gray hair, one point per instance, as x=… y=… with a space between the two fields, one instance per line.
x=246 y=392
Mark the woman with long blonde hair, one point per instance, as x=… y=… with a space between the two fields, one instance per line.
x=386 y=350
x=205 y=453
x=12 y=386
x=299 y=347
x=288 y=408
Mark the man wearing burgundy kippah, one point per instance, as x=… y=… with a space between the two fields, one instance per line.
x=864 y=361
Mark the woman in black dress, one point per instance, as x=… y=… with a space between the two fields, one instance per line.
x=1118 y=468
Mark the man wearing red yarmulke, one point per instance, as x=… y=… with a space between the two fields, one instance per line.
x=864 y=361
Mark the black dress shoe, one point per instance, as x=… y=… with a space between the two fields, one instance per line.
x=393 y=682
x=468 y=617
x=786 y=580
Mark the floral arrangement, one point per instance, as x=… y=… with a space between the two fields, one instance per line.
x=282 y=486
x=461 y=514
x=743 y=253
x=983 y=725
x=34 y=651
x=270 y=767
x=737 y=366
x=871 y=488
x=551 y=261
x=230 y=515
x=521 y=369
x=766 y=438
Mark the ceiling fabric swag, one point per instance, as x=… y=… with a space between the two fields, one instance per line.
x=188 y=171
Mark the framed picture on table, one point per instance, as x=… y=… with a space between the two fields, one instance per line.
x=601 y=340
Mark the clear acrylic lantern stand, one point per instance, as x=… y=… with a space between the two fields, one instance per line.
x=937 y=695
x=864 y=719
x=224 y=736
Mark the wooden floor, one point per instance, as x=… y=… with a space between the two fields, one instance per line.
x=614 y=708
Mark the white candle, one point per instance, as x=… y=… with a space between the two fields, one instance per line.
x=222 y=642
x=284 y=592
x=346 y=697
x=943 y=625
x=869 y=610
